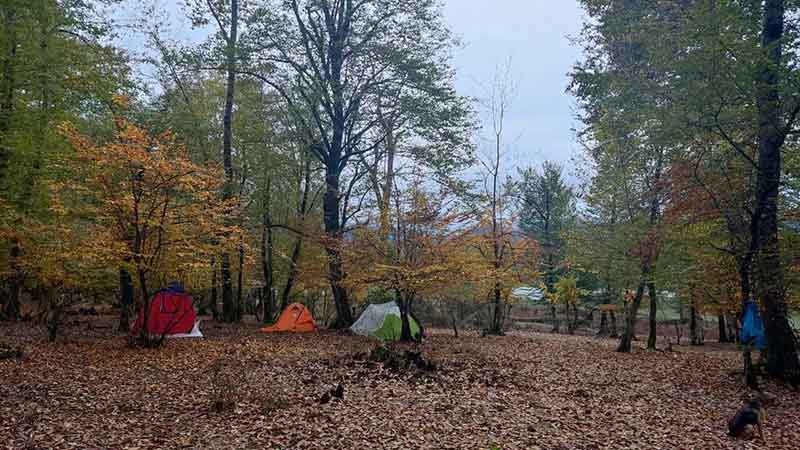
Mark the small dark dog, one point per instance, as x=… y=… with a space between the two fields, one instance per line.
x=750 y=415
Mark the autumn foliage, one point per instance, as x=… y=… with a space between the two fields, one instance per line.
x=150 y=209
x=433 y=249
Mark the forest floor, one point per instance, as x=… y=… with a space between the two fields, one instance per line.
x=90 y=390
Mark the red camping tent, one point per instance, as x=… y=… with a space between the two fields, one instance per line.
x=171 y=312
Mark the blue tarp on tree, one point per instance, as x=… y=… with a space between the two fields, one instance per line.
x=752 y=326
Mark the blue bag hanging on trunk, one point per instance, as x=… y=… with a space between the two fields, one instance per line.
x=752 y=326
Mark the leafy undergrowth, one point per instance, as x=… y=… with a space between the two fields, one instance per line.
x=240 y=389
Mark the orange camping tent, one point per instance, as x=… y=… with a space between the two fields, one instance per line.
x=296 y=317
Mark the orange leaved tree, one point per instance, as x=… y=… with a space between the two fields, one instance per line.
x=152 y=210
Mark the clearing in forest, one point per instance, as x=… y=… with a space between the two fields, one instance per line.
x=240 y=389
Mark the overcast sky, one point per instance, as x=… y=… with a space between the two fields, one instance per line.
x=535 y=35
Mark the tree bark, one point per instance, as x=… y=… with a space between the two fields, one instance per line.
x=651 y=338
x=498 y=308
x=613 y=330
x=745 y=266
x=267 y=256
x=240 y=282
x=8 y=88
x=650 y=250
x=213 y=301
x=556 y=322
x=723 y=335
x=603 y=331
x=334 y=165
x=294 y=271
x=53 y=316
x=125 y=299
x=405 y=302
x=294 y=268
x=574 y=317
x=571 y=313
x=228 y=308
x=695 y=336
x=630 y=320
x=144 y=335
x=388 y=185
x=782 y=357
x=331 y=206
x=11 y=310
x=733 y=335
x=496 y=324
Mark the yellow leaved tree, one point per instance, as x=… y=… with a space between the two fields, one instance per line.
x=150 y=209
x=568 y=294
x=433 y=248
x=508 y=259
x=425 y=253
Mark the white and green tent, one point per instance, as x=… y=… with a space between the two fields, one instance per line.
x=383 y=322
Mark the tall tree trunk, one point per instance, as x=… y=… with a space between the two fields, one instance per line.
x=267 y=255
x=695 y=335
x=650 y=250
x=554 y=315
x=12 y=309
x=630 y=319
x=496 y=324
x=240 y=282
x=37 y=157
x=613 y=330
x=8 y=88
x=723 y=335
x=228 y=308
x=240 y=288
x=603 y=331
x=53 y=318
x=331 y=206
x=574 y=317
x=294 y=268
x=782 y=356
x=144 y=335
x=405 y=302
x=227 y=288
x=125 y=298
x=498 y=308
x=745 y=265
x=385 y=193
x=651 y=338
x=213 y=301
x=294 y=271
x=733 y=335
x=568 y=316
x=334 y=164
